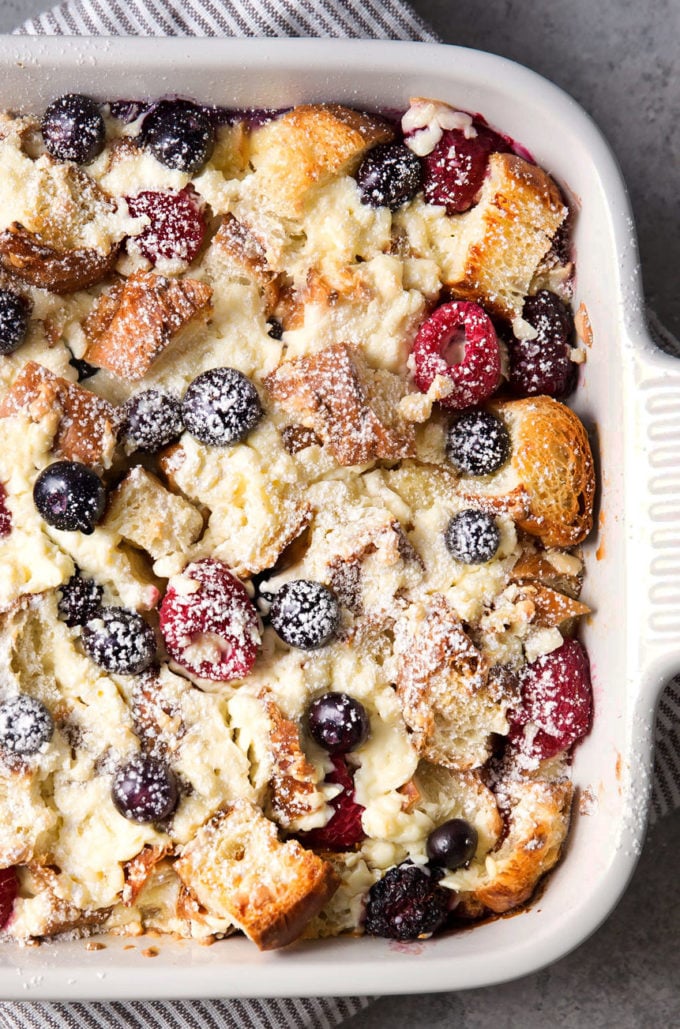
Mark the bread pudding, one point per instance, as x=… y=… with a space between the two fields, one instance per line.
x=291 y=506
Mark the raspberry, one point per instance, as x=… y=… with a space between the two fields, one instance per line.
x=9 y=888
x=459 y=342
x=209 y=623
x=344 y=830
x=5 y=514
x=406 y=903
x=557 y=703
x=455 y=170
x=177 y=227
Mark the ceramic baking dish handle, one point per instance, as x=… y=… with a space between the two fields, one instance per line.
x=657 y=512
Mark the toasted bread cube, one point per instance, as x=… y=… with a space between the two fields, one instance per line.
x=238 y=253
x=442 y=687
x=236 y=868
x=537 y=828
x=294 y=784
x=306 y=148
x=505 y=236
x=132 y=324
x=151 y=517
x=88 y=424
x=354 y=409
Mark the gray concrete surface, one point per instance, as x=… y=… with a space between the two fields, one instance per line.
x=621 y=60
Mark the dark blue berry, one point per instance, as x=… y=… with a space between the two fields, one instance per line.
x=221 y=407
x=120 y=641
x=305 y=614
x=145 y=790
x=406 y=903
x=25 y=725
x=389 y=176
x=70 y=496
x=15 y=312
x=452 y=844
x=152 y=420
x=478 y=443
x=472 y=537
x=274 y=328
x=338 y=723
x=179 y=134
x=541 y=366
x=85 y=370
x=81 y=600
x=73 y=128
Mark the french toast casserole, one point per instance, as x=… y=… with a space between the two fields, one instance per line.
x=291 y=506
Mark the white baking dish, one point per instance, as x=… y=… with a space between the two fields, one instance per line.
x=629 y=397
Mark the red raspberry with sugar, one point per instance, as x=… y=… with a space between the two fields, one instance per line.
x=344 y=830
x=9 y=889
x=455 y=170
x=176 y=229
x=557 y=703
x=458 y=341
x=5 y=514
x=209 y=623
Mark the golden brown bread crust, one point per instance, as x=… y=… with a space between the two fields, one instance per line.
x=307 y=147
x=88 y=423
x=347 y=405
x=507 y=235
x=131 y=325
x=151 y=517
x=139 y=869
x=553 y=461
x=235 y=242
x=36 y=263
x=537 y=828
x=236 y=868
x=293 y=780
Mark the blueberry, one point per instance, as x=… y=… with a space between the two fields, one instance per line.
x=478 y=443
x=274 y=328
x=453 y=844
x=152 y=420
x=15 y=311
x=406 y=903
x=472 y=536
x=305 y=614
x=145 y=790
x=338 y=723
x=73 y=128
x=85 y=370
x=542 y=365
x=179 y=134
x=120 y=641
x=25 y=725
x=389 y=175
x=81 y=600
x=70 y=496
x=221 y=407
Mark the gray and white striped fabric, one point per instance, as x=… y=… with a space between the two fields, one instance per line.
x=379 y=19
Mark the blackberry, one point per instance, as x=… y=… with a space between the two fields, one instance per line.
x=179 y=134
x=305 y=614
x=25 y=725
x=73 y=128
x=15 y=312
x=152 y=420
x=81 y=600
x=541 y=366
x=120 y=641
x=472 y=536
x=70 y=496
x=338 y=722
x=478 y=443
x=406 y=903
x=145 y=790
x=389 y=175
x=452 y=844
x=221 y=407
